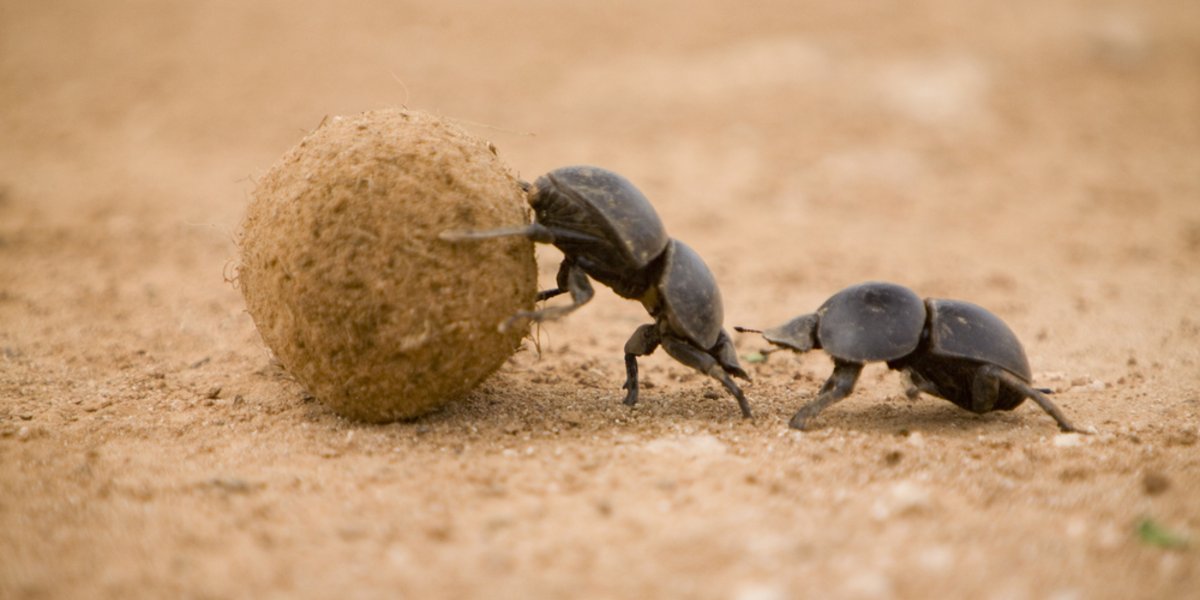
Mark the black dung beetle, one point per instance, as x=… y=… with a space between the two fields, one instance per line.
x=951 y=349
x=608 y=231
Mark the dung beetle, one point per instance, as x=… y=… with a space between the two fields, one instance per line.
x=948 y=348
x=608 y=231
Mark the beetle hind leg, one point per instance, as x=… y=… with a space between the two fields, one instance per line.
x=1016 y=383
x=644 y=341
x=726 y=356
x=706 y=363
x=985 y=389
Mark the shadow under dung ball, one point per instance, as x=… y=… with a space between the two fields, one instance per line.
x=348 y=283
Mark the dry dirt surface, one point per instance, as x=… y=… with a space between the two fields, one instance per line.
x=1039 y=158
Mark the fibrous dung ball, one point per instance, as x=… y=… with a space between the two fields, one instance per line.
x=346 y=279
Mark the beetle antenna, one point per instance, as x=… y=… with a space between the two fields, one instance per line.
x=740 y=329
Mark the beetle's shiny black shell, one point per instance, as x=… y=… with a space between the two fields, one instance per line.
x=963 y=330
x=689 y=292
x=871 y=321
x=604 y=204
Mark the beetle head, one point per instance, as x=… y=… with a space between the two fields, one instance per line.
x=799 y=334
x=532 y=196
x=540 y=192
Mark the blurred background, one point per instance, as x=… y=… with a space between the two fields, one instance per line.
x=798 y=128
x=799 y=146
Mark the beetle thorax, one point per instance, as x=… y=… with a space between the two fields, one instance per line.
x=588 y=237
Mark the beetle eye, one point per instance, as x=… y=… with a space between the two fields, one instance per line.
x=525 y=185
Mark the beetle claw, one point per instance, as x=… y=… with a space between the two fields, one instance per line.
x=799 y=421
x=631 y=396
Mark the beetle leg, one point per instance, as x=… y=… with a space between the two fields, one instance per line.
x=562 y=280
x=643 y=342
x=704 y=362
x=917 y=384
x=726 y=355
x=838 y=386
x=1018 y=384
x=548 y=294
x=535 y=231
x=581 y=292
x=985 y=389
x=912 y=391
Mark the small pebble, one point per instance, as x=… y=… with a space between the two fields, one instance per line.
x=936 y=558
x=868 y=583
x=1068 y=440
x=902 y=498
x=1108 y=537
x=1076 y=527
x=760 y=591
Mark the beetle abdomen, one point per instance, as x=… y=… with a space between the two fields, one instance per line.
x=963 y=330
x=691 y=299
x=953 y=379
x=871 y=321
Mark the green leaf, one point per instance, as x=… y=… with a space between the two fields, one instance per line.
x=755 y=357
x=1155 y=534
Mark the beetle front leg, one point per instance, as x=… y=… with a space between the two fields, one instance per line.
x=1020 y=385
x=838 y=386
x=643 y=342
x=577 y=284
x=562 y=279
x=548 y=294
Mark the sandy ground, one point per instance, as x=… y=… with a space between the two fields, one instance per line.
x=1039 y=158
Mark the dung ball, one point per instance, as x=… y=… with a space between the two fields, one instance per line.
x=348 y=283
